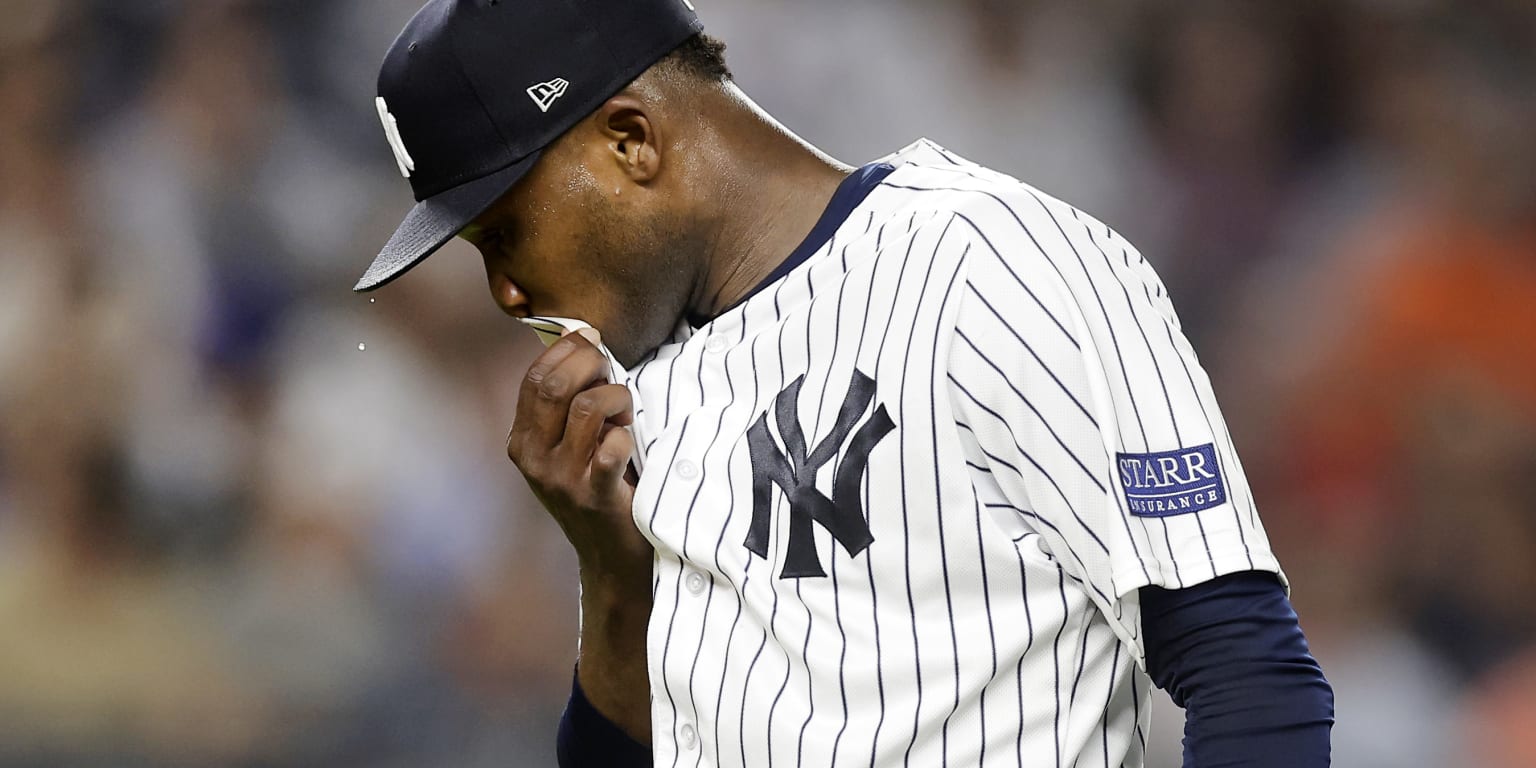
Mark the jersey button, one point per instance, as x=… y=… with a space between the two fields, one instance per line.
x=717 y=344
x=690 y=738
x=687 y=470
x=696 y=583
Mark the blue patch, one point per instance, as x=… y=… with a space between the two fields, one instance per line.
x=1172 y=482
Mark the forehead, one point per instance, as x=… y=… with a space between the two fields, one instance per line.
x=474 y=231
x=556 y=175
x=496 y=214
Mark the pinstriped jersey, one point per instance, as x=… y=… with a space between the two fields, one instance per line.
x=903 y=498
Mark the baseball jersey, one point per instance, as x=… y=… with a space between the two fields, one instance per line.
x=903 y=497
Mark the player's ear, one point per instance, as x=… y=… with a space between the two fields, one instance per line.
x=631 y=136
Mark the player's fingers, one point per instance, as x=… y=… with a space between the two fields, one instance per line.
x=610 y=466
x=567 y=367
x=590 y=410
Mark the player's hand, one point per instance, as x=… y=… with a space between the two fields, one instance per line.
x=568 y=442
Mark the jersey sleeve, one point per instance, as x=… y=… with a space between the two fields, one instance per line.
x=1088 y=411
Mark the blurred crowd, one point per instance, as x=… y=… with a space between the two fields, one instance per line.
x=248 y=518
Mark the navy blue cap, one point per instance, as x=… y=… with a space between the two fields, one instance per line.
x=473 y=90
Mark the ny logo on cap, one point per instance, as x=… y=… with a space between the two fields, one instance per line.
x=545 y=94
x=392 y=132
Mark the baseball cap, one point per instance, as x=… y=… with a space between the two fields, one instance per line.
x=473 y=90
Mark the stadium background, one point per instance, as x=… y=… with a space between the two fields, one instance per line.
x=229 y=535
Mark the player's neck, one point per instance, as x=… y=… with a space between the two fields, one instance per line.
x=768 y=198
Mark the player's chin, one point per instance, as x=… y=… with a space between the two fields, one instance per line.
x=628 y=351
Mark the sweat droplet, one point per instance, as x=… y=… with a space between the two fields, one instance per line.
x=372 y=301
x=361 y=347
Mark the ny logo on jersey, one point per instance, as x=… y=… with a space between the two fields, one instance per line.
x=794 y=471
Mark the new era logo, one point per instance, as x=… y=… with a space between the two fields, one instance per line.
x=545 y=94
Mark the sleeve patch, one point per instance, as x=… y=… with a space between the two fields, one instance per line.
x=1173 y=482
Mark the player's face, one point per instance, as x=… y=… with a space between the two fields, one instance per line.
x=575 y=239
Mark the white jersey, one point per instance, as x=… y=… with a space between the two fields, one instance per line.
x=903 y=498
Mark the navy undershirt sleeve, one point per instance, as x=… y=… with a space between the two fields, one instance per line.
x=1231 y=653
x=587 y=739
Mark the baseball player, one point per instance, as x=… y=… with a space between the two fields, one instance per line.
x=907 y=464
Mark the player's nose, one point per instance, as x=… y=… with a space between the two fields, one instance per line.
x=507 y=294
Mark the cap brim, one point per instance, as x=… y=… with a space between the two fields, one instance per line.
x=436 y=220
